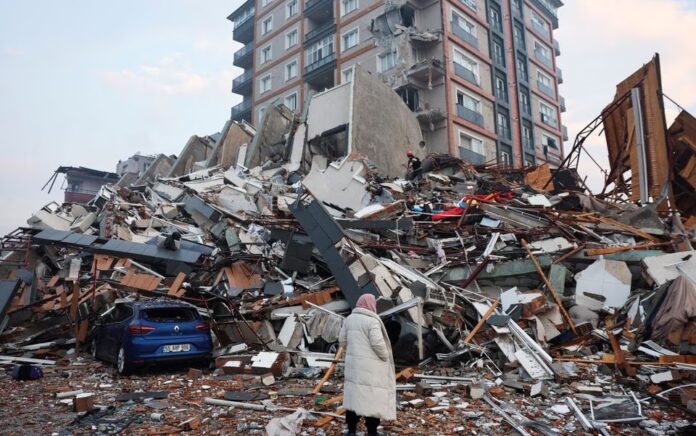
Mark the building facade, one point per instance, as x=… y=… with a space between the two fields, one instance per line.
x=136 y=164
x=480 y=75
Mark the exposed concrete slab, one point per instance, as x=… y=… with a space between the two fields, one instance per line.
x=197 y=149
x=604 y=284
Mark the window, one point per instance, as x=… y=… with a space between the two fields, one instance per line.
x=494 y=17
x=518 y=35
x=386 y=61
x=291 y=101
x=549 y=141
x=265 y=84
x=525 y=103
x=540 y=25
x=505 y=158
x=463 y=23
x=522 y=68
x=349 y=40
x=470 y=65
x=542 y=52
x=291 y=70
x=503 y=123
x=543 y=79
x=320 y=50
x=527 y=137
x=548 y=114
x=501 y=88
x=471 y=4
x=267 y=25
x=497 y=52
x=470 y=143
x=347 y=75
x=468 y=101
x=291 y=8
x=348 y=6
x=266 y=54
x=291 y=39
x=265 y=3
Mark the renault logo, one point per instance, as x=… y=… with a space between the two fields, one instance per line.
x=176 y=329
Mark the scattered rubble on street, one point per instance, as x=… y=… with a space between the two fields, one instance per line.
x=514 y=298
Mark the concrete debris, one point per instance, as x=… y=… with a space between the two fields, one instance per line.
x=270 y=236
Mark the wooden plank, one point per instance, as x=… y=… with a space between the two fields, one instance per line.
x=54 y=280
x=176 y=285
x=680 y=358
x=549 y=287
x=612 y=250
x=327 y=419
x=329 y=372
x=483 y=319
x=334 y=400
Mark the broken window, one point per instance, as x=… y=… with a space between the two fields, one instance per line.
x=265 y=84
x=349 y=40
x=291 y=70
x=171 y=314
x=550 y=141
x=291 y=8
x=548 y=114
x=503 y=123
x=471 y=143
x=291 y=39
x=410 y=96
x=408 y=15
x=267 y=25
x=386 y=61
x=320 y=50
x=291 y=101
x=266 y=54
x=348 y=6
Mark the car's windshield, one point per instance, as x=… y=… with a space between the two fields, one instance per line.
x=170 y=314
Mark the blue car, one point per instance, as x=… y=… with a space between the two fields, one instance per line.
x=135 y=333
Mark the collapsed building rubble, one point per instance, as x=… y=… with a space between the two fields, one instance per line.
x=513 y=297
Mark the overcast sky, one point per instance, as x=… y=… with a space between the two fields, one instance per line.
x=87 y=83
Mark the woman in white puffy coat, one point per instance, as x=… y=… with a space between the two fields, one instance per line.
x=369 y=389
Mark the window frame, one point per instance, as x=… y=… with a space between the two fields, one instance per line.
x=355 y=30
x=288 y=77
x=268 y=19
x=477 y=67
x=394 y=53
x=343 y=8
x=472 y=30
x=477 y=100
x=461 y=132
x=263 y=59
x=262 y=79
x=288 y=15
x=350 y=70
x=294 y=31
x=285 y=100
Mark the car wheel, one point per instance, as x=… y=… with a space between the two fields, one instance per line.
x=122 y=365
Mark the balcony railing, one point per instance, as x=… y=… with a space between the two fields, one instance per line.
x=471 y=156
x=466 y=36
x=546 y=89
x=465 y=74
x=242 y=81
x=326 y=60
x=562 y=103
x=241 y=108
x=244 y=29
x=556 y=47
x=470 y=115
x=243 y=56
x=564 y=130
x=559 y=75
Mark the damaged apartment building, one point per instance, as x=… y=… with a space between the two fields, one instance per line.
x=481 y=75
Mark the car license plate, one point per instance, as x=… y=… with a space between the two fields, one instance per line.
x=177 y=348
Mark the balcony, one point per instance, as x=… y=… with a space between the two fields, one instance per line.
x=470 y=115
x=242 y=85
x=546 y=90
x=429 y=118
x=244 y=57
x=471 y=156
x=318 y=10
x=539 y=55
x=244 y=30
x=320 y=74
x=465 y=74
x=540 y=30
x=427 y=71
x=549 y=121
x=556 y=47
x=319 y=32
x=562 y=103
x=564 y=130
x=466 y=36
x=559 y=75
x=242 y=111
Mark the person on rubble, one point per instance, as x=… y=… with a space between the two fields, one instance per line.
x=414 y=167
x=369 y=389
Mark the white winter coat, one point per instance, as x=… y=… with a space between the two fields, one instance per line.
x=370 y=385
